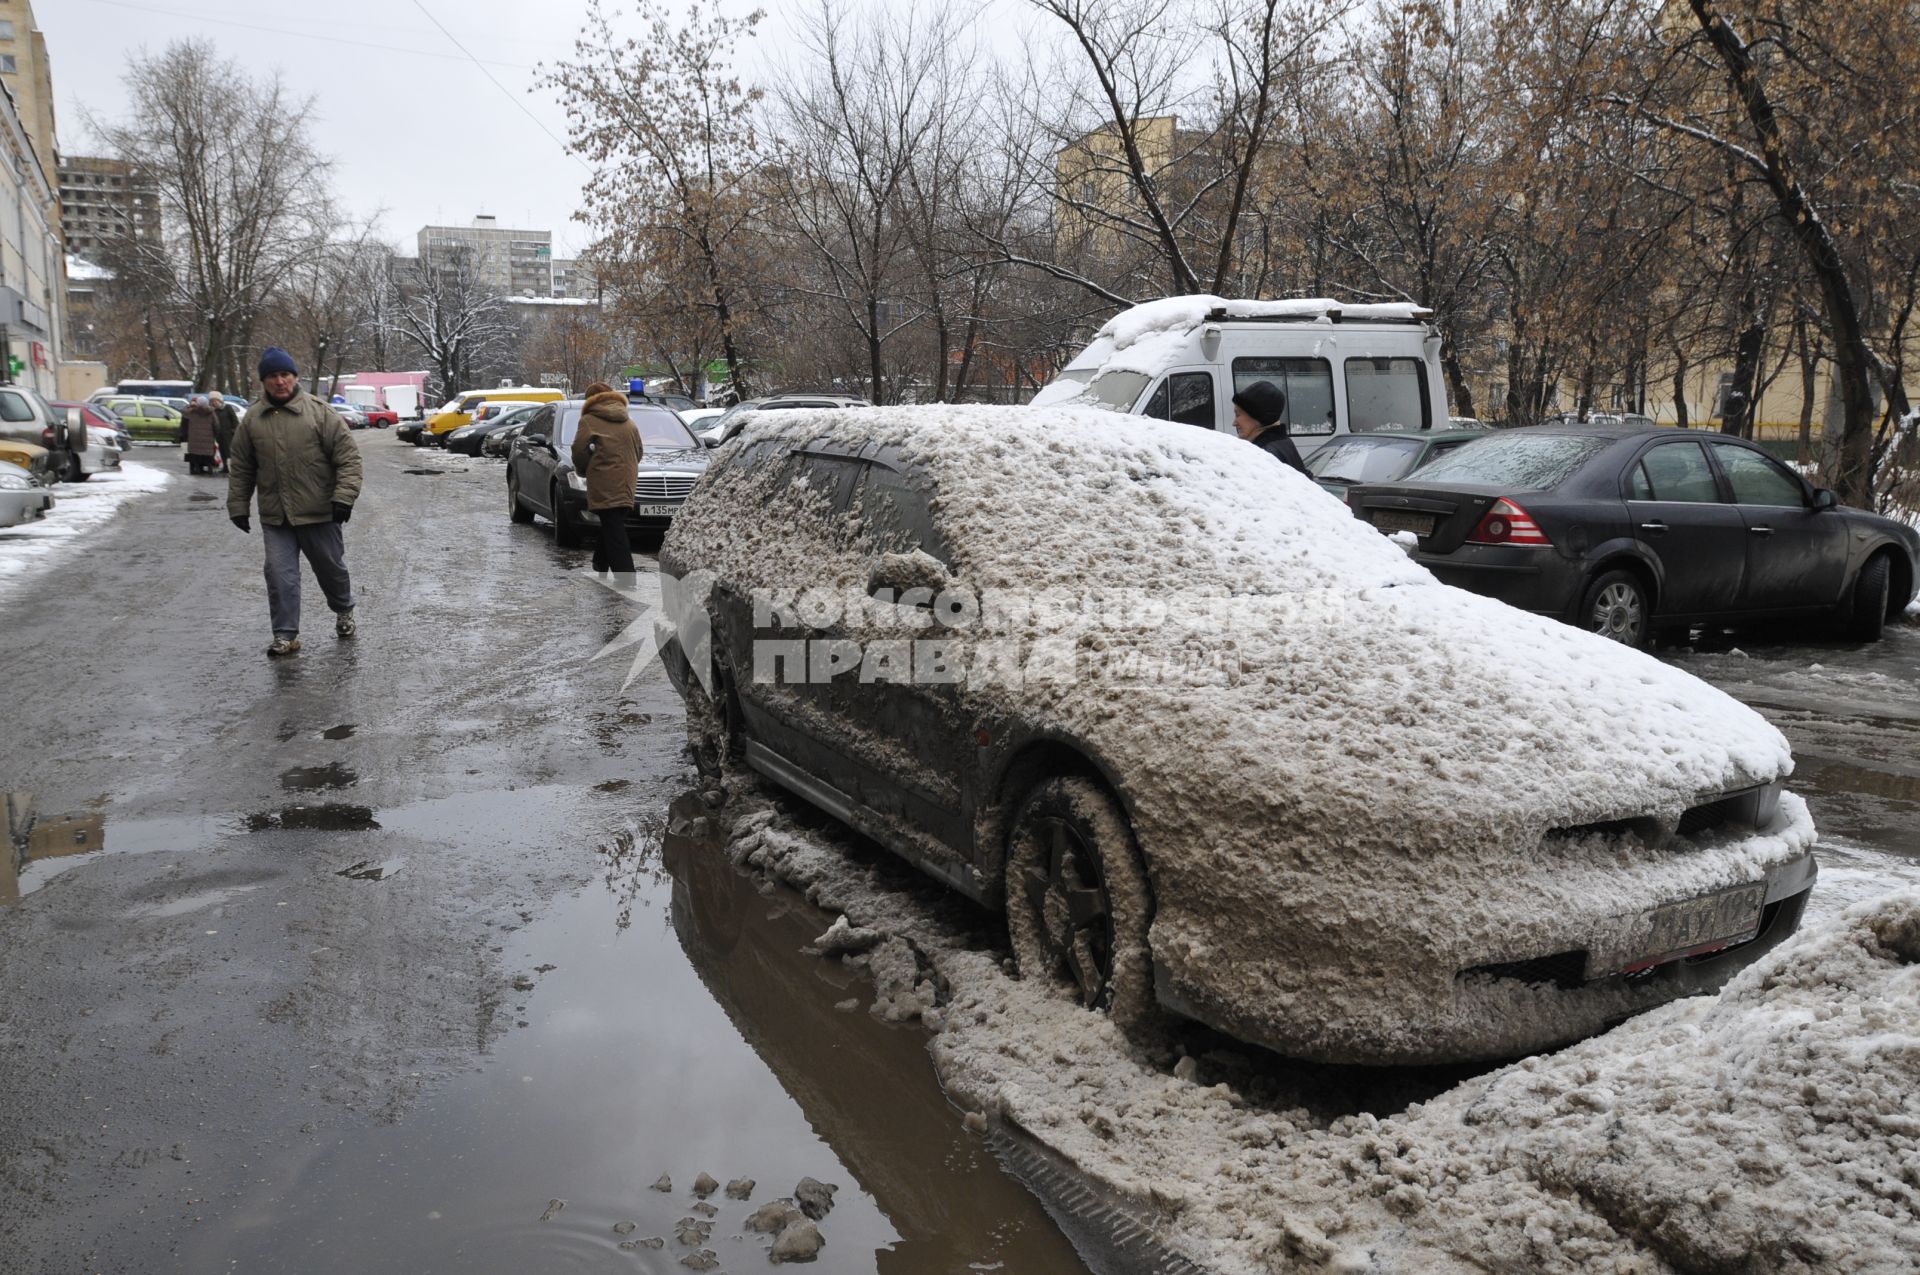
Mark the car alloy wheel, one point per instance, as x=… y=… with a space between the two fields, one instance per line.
x=1077 y=899
x=1616 y=608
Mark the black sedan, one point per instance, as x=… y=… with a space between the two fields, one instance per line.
x=1641 y=532
x=540 y=477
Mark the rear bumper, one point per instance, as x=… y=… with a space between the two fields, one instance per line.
x=1532 y=578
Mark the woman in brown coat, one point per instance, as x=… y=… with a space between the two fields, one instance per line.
x=606 y=452
x=197 y=432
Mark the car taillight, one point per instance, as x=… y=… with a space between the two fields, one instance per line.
x=1507 y=524
x=46 y=436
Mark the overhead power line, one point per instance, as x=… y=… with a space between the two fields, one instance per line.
x=511 y=95
x=463 y=55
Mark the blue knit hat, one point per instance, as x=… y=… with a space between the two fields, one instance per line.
x=276 y=360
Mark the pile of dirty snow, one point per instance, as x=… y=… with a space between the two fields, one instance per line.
x=78 y=508
x=1367 y=747
x=1774 y=1127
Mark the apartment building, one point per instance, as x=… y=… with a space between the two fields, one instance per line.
x=31 y=262
x=516 y=262
x=28 y=76
x=104 y=200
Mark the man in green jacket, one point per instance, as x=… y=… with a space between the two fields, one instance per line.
x=295 y=452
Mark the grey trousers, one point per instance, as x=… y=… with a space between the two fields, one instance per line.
x=326 y=550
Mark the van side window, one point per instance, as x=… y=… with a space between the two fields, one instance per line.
x=1308 y=384
x=1185 y=397
x=1387 y=394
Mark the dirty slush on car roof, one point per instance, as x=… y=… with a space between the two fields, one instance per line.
x=1392 y=799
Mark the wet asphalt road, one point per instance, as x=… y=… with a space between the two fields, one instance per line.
x=364 y=959
x=392 y=946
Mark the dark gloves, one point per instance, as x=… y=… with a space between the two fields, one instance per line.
x=244 y=522
x=341 y=512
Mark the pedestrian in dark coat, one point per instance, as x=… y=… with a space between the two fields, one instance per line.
x=197 y=432
x=1257 y=413
x=606 y=452
x=225 y=422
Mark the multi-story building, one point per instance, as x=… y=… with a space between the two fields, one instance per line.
x=104 y=200
x=574 y=278
x=516 y=262
x=28 y=76
x=31 y=263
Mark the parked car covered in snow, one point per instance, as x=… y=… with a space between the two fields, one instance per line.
x=1214 y=744
x=1377 y=458
x=1634 y=532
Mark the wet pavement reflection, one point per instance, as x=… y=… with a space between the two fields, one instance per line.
x=665 y=1022
x=36 y=838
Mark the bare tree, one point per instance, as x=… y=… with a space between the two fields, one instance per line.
x=242 y=192
x=458 y=325
x=670 y=131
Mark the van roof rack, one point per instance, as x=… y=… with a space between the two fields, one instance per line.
x=1312 y=310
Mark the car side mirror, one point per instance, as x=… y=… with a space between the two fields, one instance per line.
x=710 y=440
x=1824 y=499
x=903 y=573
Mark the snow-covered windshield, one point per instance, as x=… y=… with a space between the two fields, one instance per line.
x=1116 y=389
x=1067 y=385
x=1517 y=458
x=1364 y=460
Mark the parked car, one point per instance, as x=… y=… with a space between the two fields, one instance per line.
x=27 y=418
x=353 y=416
x=96 y=439
x=728 y=424
x=30 y=459
x=1344 y=368
x=1379 y=458
x=540 y=477
x=1631 y=420
x=500 y=442
x=460 y=411
x=1374 y=820
x=98 y=417
x=491 y=418
x=148 y=420
x=673 y=402
x=1642 y=532
x=22 y=497
x=379 y=417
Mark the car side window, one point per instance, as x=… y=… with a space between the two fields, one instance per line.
x=895 y=516
x=834 y=476
x=1639 y=486
x=1679 y=472
x=1307 y=383
x=1185 y=397
x=1387 y=393
x=1757 y=479
x=540 y=424
x=14 y=407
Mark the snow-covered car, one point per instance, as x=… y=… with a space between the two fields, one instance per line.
x=21 y=498
x=1214 y=744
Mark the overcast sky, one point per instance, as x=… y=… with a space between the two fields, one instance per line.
x=418 y=133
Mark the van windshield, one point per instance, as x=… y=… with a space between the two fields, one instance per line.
x=1116 y=389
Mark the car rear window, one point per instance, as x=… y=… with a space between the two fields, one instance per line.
x=1519 y=458
x=1364 y=460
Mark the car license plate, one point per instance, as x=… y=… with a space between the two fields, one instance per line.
x=655 y=511
x=1399 y=520
x=1691 y=927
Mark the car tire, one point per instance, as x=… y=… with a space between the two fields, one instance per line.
x=516 y=511
x=1867 y=609
x=1078 y=903
x=713 y=725
x=1616 y=606
x=566 y=532
x=74 y=473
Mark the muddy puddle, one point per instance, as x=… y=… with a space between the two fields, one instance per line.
x=663 y=1022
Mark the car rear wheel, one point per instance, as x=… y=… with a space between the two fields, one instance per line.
x=566 y=533
x=1077 y=900
x=1616 y=607
x=516 y=511
x=1867 y=613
